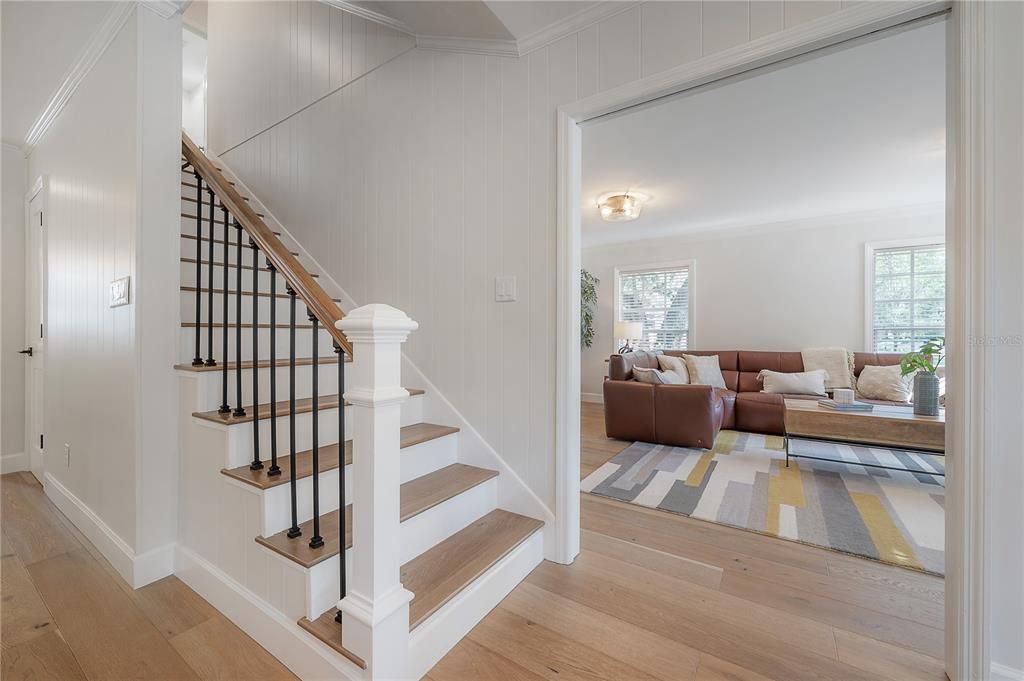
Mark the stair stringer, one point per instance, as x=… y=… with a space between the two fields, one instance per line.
x=513 y=492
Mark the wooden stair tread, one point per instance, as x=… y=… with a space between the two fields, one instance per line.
x=245 y=325
x=192 y=261
x=440 y=573
x=328 y=630
x=410 y=435
x=262 y=364
x=417 y=496
x=302 y=406
x=262 y=294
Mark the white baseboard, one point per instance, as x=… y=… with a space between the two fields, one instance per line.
x=595 y=398
x=138 y=571
x=306 y=656
x=12 y=463
x=1001 y=672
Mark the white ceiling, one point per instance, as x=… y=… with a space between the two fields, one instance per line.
x=481 y=19
x=852 y=131
x=33 y=66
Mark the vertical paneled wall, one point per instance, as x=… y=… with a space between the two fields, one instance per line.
x=89 y=156
x=420 y=182
x=12 y=289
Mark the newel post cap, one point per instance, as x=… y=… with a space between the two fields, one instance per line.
x=376 y=322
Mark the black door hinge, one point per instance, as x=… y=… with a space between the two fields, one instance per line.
x=41 y=441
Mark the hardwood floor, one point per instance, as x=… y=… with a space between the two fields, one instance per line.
x=652 y=596
x=67 y=616
x=658 y=596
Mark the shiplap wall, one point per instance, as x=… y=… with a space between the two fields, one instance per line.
x=420 y=182
x=12 y=270
x=89 y=155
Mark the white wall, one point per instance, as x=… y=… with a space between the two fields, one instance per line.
x=112 y=162
x=12 y=281
x=193 y=115
x=1005 y=349
x=785 y=286
x=419 y=183
x=89 y=157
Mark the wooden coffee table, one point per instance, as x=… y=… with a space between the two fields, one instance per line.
x=884 y=426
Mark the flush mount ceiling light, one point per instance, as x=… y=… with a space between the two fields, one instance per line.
x=621 y=206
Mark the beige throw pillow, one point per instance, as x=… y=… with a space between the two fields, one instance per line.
x=676 y=365
x=885 y=383
x=796 y=383
x=704 y=370
x=655 y=377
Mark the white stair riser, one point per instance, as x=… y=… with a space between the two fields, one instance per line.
x=239 y=436
x=277 y=504
x=303 y=343
x=188 y=277
x=210 y=385
x=422 y=531
x=188 y=307
x=188 y=250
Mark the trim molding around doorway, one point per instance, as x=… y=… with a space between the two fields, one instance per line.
x=969 y=99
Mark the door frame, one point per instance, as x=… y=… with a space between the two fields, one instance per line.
x=969 y=150
x=40 y=188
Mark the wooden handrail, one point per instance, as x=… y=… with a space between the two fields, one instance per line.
x=305 y=286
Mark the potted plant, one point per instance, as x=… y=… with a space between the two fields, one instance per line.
x=588 y=304
x=924 y=364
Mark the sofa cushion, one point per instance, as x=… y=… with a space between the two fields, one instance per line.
x=704 y=370
x=800 y=382
x=728 y=400
x=885 y=383
x=656 y=377
x=676 y=365
x=620 y=367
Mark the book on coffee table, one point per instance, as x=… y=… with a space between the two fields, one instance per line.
x=851 y=406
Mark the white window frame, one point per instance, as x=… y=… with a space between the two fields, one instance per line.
x=869 y=277
x=690 y=265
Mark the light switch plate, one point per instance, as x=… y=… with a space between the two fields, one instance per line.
x=119 y=291
x=505 y=289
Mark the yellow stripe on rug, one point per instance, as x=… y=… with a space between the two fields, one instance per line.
x=696 y=476
x=891 y=545
x=785 y=488
x=725 y=442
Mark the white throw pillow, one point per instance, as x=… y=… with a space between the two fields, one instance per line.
x=676 y=365
x=797 y=383
x=704 y=370
x=655 y=377
x=885 y=383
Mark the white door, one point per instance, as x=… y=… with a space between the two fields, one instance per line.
x=35 y=335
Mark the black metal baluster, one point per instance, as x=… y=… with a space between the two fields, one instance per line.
x=342 y=521
x=316 y=541
x=274 y=468
x=210 y=361
x=225 y=408
x=294 y=531
x=256 y=463
x=197 y=360
x=239 y=410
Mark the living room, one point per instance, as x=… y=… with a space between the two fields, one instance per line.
x=749 y=249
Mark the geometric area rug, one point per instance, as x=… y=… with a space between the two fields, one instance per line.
x=894 y=517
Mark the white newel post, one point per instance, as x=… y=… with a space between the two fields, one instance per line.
x=375 y=612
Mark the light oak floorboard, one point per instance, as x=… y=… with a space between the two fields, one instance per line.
x=651 y=590
x=219 y=651
x=68 y=615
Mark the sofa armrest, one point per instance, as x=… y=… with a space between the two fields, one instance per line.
x=629 y=410
x=687 y=415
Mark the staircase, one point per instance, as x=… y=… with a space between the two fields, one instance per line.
x=310 y=480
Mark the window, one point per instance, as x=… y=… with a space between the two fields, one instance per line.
x=907 y=295
x=659 y=297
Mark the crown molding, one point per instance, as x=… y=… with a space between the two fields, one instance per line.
x=572 y=24
x=165 y=9
x=101 y=40
x=496 y=47
x=11 y=146
x=370 y=15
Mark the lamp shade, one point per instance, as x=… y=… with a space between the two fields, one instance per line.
x=629 y=330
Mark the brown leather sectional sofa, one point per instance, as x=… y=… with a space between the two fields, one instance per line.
x=692 y=415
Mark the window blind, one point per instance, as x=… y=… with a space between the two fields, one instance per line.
x=660 y=300
x=909 y=301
